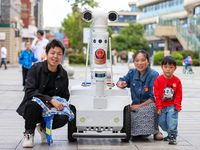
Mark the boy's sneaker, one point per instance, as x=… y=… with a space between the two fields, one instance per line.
x=158 y=136
x=172 y=140
x=28 y=140
x=42 y=133
x=166 y=138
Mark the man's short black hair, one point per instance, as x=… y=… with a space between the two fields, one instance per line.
x=41 y=32
x=55 y=43
x=169 y=60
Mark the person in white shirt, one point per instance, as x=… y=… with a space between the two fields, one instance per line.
x=3 y=56
x=130 y=57
x=38 y=46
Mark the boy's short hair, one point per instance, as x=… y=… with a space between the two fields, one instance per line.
x=55 y=43
x=169 y=59
x=27 y=42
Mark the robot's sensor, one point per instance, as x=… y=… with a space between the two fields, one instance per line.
x=112 y=16
x=87 y=16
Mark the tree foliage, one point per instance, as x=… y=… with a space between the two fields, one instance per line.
x=131 y=37
x=73 y=23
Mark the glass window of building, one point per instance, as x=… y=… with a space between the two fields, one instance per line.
x=197 y=10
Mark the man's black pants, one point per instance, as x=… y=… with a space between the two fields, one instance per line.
x=33 y=115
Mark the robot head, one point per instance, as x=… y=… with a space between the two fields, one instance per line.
x=88 y=16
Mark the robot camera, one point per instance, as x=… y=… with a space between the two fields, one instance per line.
x=112 y=16
x=87 y=16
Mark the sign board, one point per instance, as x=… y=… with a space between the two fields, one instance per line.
x=66 y=42
x=2 y=35
x=58 y=36
x=86 y=35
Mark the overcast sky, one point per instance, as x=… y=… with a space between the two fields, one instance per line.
x=54 y=11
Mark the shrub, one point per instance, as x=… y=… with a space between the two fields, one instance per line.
x=77 y=58
x=158 y=57
x=195 y=62
x=179 y=62
x=177 y=55
x=194 y=54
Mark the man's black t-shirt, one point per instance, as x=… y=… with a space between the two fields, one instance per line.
x=51 y=87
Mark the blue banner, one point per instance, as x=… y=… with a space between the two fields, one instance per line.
x=59 y=36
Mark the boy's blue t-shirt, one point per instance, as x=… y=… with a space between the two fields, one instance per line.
x=27 y=58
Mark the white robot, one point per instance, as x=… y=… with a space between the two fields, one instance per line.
x=101 y=109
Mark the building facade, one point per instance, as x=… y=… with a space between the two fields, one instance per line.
x=38 y=13
x=10 y=28
x=124 y=17
x=29 y=30
x=170 y=25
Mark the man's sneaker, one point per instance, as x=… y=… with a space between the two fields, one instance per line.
x=42 y=133
x=158 y=136
x=172 y=140
x=28 y=140
x=166 y=138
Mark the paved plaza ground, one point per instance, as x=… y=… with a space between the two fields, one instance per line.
x=12 y=125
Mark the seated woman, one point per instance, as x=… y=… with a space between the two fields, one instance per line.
x=144 y=117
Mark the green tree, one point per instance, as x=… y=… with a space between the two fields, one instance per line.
x=73 y=23
x=131 y=37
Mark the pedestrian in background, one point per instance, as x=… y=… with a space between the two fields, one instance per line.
x=26 y=59
x=3 y=55
x=168 y=95
x=130 y=57
x=114 y=56
x=38 y=46
x=123 y=56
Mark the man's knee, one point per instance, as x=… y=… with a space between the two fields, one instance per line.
x=33 y=107
x=59 y=121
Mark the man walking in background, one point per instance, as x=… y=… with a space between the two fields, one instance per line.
x=3 y=55
x=38 y=46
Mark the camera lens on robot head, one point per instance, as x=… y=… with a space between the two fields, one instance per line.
x=87 y=16
x=112 y=16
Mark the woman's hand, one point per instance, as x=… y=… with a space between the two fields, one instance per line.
x=57 y=104
x=160 y=111
x=121 y=84
x=178 y=110
x=132 y=107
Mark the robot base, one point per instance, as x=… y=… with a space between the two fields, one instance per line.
x=112 y=120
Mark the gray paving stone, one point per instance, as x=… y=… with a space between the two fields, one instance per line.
x=12 y=125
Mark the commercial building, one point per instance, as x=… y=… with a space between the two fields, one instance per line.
x=171 y=24
x=10 y=28
x=124 y=17
x=29 y=30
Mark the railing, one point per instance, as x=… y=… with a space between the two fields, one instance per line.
x=167 y=21
x=161 y=11
x=194 y=29
x=196 y=20
x=149 y=32
x=189 y=37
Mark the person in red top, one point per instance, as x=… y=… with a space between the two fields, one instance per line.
x=168 y=95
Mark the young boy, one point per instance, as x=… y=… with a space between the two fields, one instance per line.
x=26 y=59
x=168 y=94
